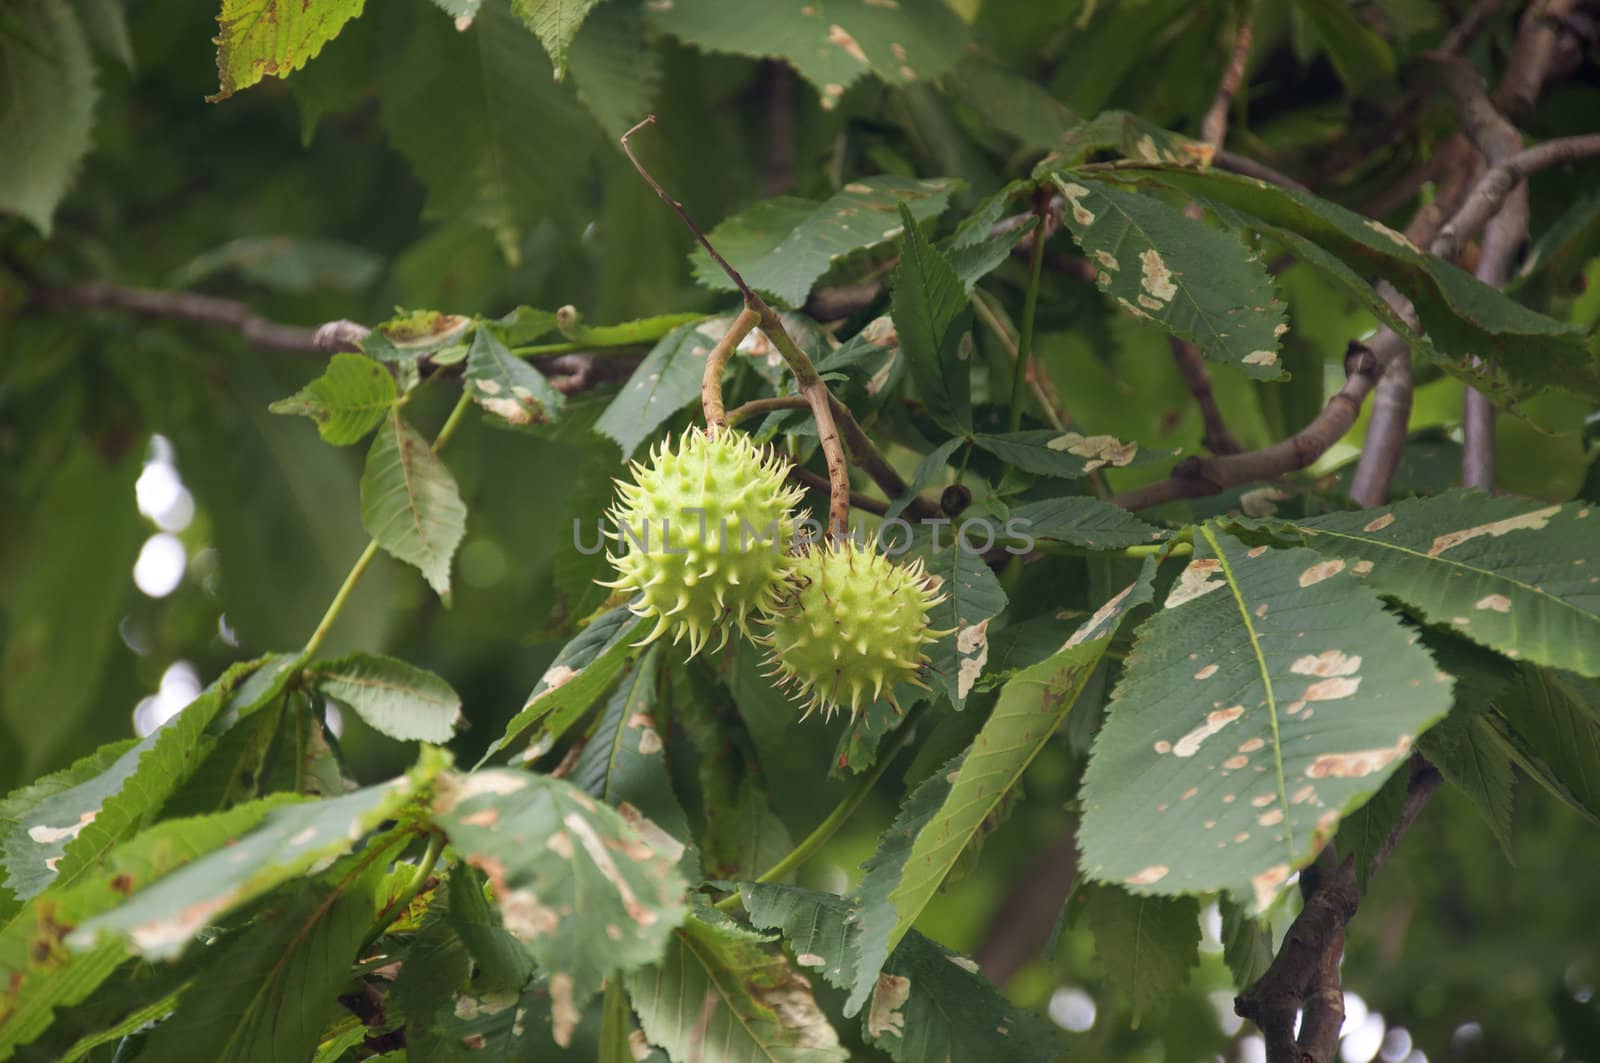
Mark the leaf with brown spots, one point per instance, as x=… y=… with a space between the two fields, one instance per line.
x=274 y=38
x=578 y=676
x=721 y=994
x=508 y=387
x=1518 y=576
x=580 y=888
x=1195 y=281
x=830 y=42
x=1236 y=738
x=57 y=976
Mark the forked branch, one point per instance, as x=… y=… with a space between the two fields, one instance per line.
x=807 y=380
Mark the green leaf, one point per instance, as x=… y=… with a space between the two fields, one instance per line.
x=1361 y=57
x=615 y=69
x=105 y=24
x=1507 y=573
x=1364 y=831
x=507 y=386
x=46 y=974
x=1195 y=281
x=47 y=111
x=393 y=697
x=84 y=539
x=1246 y=943
x=1127 y=135
x=932 y=1004
x=1006 y=101
x=830 y=42
x=1551 y=723
x=947 y=812
x=579 y=675
x=410 y=503
x=781 y=246
x=477 y=113
x=718 y=996
x=68 y=832
x=929 y=469
x=271 y=989
x=437 y=963
x=573 y=881
x=873 y=921
x=973 y=596
x=816 y=925
x=160 y=921
x=1147 y=944
x=1466 y=320
x=1066 y=454
x=1082 y=521
x=1031 y=707
x=1464 y=745
x=347 y=401
x=555 y=23
x=666 y=381
x=501 y=959
x=1272 y=694
x=624 y=762
x=931 y=315
x=259 y=38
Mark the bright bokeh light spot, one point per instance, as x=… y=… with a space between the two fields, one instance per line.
x=1222 y=1003
x=335 y=720
x=180 y=685
x=1396 y=1045
x=1355 y=1013
x=160 y=567
x=1361 y=1044
x=225 y=631
x=1418 y=1056
x=162 y=497
x=1465 y=1036
x=1252 y=1049
x=1072 y=1009
x=1211 y=928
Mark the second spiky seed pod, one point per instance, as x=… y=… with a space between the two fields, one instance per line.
x=703 y=534
x=847 y=624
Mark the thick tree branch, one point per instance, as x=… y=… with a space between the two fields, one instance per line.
x=191 y=306
x=1198 y=477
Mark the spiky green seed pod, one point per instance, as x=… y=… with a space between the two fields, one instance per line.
x=849 y=623
x=703 y=533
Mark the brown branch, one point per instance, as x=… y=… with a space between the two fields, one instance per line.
x=1500 y=179
x=866 y=503
x=1021 y=922
x=808 y=382
x=1217 y=437
x=717 y=361
x=1199 y=477
x=1214 y=126
x=200 y=309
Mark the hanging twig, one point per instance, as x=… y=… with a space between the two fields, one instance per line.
x=807 y=381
